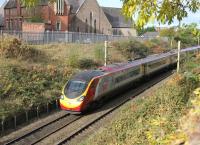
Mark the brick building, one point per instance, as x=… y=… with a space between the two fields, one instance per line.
x=65 y=15
x=55 y=16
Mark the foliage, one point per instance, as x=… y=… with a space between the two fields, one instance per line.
x=144 y=30
x=186 y=35
x=26 y=84
x=23 y=88
x=170 y=33
x=86 y=63
x=136 y=49
x=36 y=19
x=11 y=47
x=99 y=53
x=165 y=11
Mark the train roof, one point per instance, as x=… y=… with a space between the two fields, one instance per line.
x=87 y=75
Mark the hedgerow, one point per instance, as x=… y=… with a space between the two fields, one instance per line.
x=23 y=88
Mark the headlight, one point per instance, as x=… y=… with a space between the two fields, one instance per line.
x=80 y=99
x=62 y=97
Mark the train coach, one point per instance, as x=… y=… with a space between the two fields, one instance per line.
x=90 y=87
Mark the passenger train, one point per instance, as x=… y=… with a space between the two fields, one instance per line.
x=89 y=87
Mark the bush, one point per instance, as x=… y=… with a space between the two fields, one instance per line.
x=132 y=49
x=11 y=47
x=28 y=87
x=86 y=63
x=73 y=61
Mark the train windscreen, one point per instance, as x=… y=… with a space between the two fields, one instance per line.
x=75 y=88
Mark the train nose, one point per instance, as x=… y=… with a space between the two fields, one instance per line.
x=71 y=105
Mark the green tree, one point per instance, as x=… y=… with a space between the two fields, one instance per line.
x=169 y=33
x=164 y=11
x=144 y=30
x=187 y=34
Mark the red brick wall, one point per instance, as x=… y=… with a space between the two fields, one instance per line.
x=33 y=27
x=54 y=18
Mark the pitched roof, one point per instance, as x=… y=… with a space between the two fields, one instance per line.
x=11 y=4
x=116 y=19
x=76 y=4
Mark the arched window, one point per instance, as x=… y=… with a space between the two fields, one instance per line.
x=90 y=22
x=95 y=26
x=58 y=25
x=86 y=25
x=78 y=29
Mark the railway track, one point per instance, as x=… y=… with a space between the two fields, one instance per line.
x=63 y=129
x=121 y=101
x=44 y=131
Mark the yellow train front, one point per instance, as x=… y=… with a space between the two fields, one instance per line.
x=77 y=93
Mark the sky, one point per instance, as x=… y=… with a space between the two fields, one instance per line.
x=117 y=3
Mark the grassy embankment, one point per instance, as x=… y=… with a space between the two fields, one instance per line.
x=160 y=118
x=33 y=75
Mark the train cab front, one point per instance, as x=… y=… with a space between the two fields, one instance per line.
x=73 y=96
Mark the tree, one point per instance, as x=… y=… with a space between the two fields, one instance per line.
x=31 y=3
x=164 y=11
x=144 y=30
x=169 y=33
x=187 y=34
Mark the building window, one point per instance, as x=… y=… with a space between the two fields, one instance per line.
x=90 y=22
x=95 y=26
x=59 y=7
x=58 y=25
x=78 y=29
x=11 y=25
x=86 y=26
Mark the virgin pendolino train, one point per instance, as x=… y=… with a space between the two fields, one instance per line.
x=89 y=87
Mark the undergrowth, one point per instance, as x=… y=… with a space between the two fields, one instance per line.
x=23 y=88
x=11 y=47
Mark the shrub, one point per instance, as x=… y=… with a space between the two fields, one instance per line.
x=86 y=63
x=11 y=47
x=132 y=49
x=73 y=61
x=99 y=53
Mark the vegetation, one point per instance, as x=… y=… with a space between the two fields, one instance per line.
x=36 y=19
x=33 y=75
x=144 y=30
x=163 y=11
x=134 y=49
x=188 y=35
x=11 y=47
x=155 y=119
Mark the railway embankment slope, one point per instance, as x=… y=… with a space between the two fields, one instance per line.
x=33 y=76
x=168 y=114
